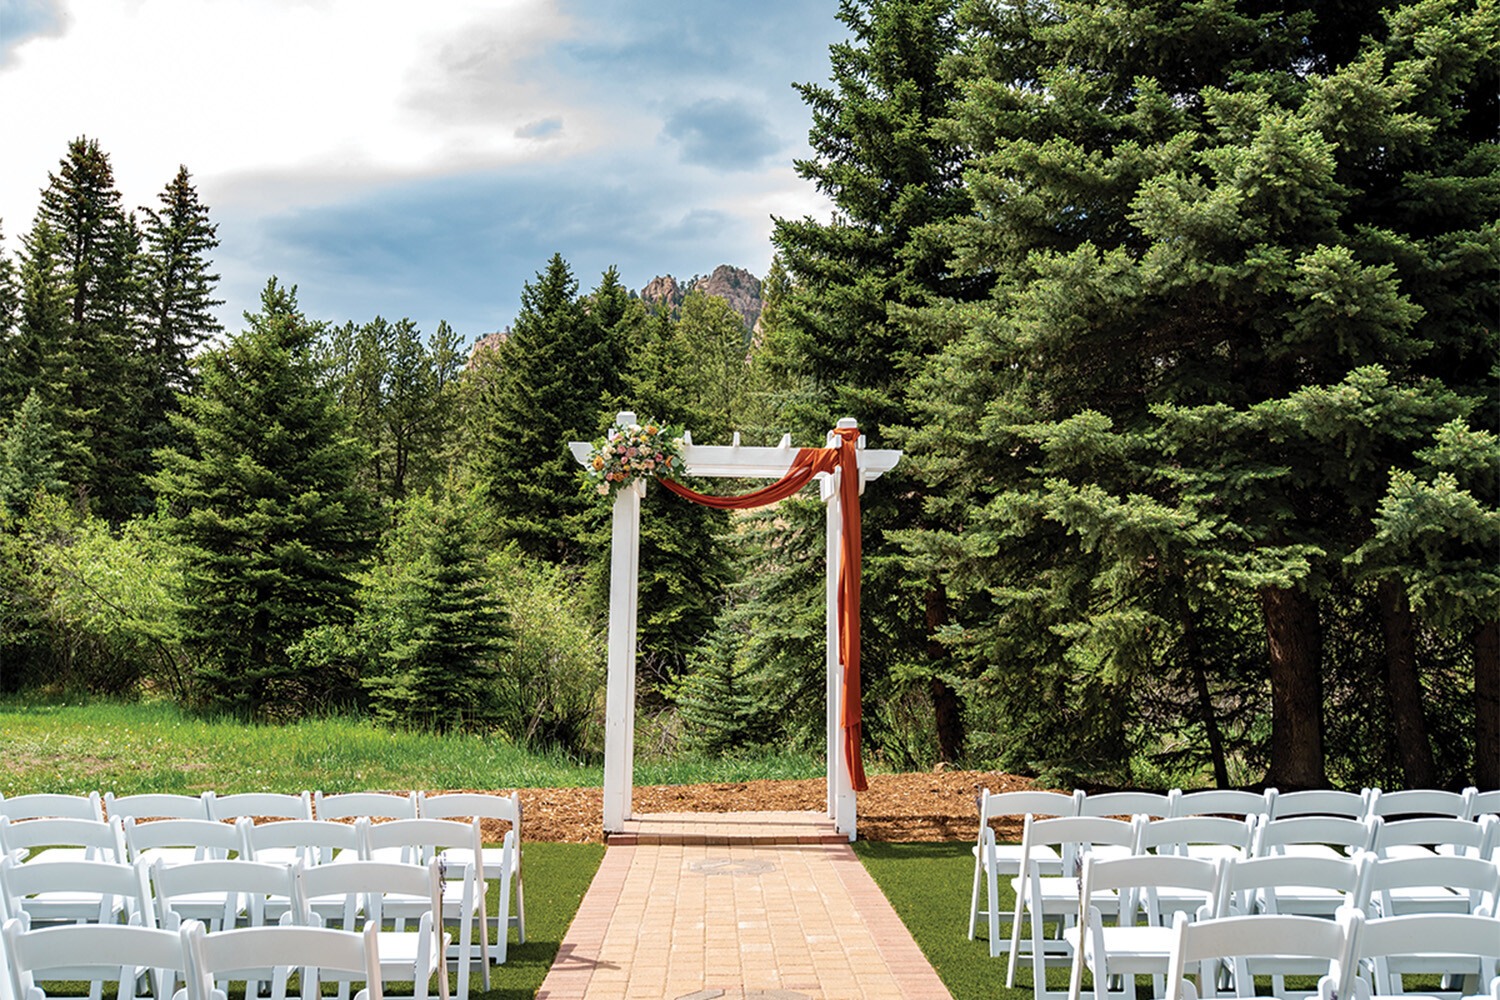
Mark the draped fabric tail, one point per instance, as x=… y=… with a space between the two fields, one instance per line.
x=808 y=463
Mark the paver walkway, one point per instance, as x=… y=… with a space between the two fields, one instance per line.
x=738 y=906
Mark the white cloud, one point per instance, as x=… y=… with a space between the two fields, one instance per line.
x=258 y=96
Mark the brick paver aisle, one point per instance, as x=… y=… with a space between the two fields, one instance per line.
x=759 y=906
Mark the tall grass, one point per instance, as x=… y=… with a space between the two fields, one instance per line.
x=78 y=747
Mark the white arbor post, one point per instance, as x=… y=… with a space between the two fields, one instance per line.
x=619 y=703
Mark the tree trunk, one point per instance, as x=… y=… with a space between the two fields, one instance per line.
x=946 y=710
x=1295 y=639
x=1404 y=686
x=1194 y=654
x=1487 y=705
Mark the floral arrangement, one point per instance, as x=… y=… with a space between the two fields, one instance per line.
x=630 y=453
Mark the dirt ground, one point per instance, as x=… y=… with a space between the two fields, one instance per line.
x=896 y=807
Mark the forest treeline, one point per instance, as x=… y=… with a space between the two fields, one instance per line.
x=1184 y=316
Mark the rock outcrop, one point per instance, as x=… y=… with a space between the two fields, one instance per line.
x=734 y=285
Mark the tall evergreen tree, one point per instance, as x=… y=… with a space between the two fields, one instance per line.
x=891 y=173
x=267 y=512
x=1220 y=322
x=28 y=462
x=10 y=306
x=176 y=298
x=548 y=383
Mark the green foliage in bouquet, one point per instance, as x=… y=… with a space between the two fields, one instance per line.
x=626 y=454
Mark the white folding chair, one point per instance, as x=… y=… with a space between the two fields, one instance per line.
x=180 y=841
x=377 y=805
x=1435 y=883
x=502 y=865
x=156 y=805
x=365 y=885
x=1268 y=942
x=1321 y=802
x=1411 y=802
x=311 y=841
x=1456 y=946
x=1211 y=838
x=463 y=897
x=1225 y=802
x=1054 y=899
x=1296 y=885
x=100 y=892
x=1486 y=803
x=47 y=839
x=1427 y=835
x=258 y=953
x=995 y=860
x=1129 y=947
x=1315 y=836
x=275 y=805
x=1154 y=805
x=221 y=893
x=89 y=952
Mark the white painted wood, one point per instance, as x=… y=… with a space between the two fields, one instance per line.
x=619 y=695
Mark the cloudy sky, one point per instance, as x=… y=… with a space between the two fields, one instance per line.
x=425 y=159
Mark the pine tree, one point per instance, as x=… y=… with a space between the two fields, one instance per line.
x=550 y=382
x=1219 y=323
x=10 y=306
x=28 y=462
x=176 y=298
x=717 y=705
x=268 y=513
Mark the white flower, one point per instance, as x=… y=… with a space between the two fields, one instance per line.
x=603 y=489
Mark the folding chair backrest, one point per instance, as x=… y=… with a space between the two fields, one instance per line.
x=1475 y=878
x=85 y=952
x=425 y=837
x=1443 y=942
x=254 y=881
x=208 y=839
x=351 y=805
x=1351 y=834
x=1130 y=804
x=368 y=881
x=156 y=805
x=993 y=805
x=275 y=804
x=1466 y=836
x=1487 y=803
x=50 y=804
x=1173 y=836
x=1260 y=878
x=1422 y=802
x=1319 y=802
x=1073 y=836
x=1202 y=944
x=104 y=878
x=314 y=840
x=1147 y=872
x=100 y=840
x=1224 y=802
x=318 y=952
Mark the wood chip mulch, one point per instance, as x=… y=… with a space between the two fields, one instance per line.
x=941 y=805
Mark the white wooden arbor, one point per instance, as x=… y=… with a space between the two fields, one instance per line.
x=733 y=461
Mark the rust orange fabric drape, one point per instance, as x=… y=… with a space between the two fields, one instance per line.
x=808 y=463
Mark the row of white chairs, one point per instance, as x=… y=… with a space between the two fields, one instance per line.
x=126 y=954
x=1347 y=948
x=198 y=827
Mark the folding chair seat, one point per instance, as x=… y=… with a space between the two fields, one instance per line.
x=1048 y=900
x=1225 y=802
x=1211 y=838
x=48 y=839
x=995 y=860
x=180 y=841
x=100 y=892
x=1456 y=946
x=502 y=865
x=462 y=900
x=1266 y=942
x=1130 y=947
x=156 y=805
x=89 y=952
x=260 y=953
x=405 y=956
x=1321 y=802
x=1315 y=836
x=1432 y=884
x=376 y=805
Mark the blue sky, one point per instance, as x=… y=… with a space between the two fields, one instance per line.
x=424 y=160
